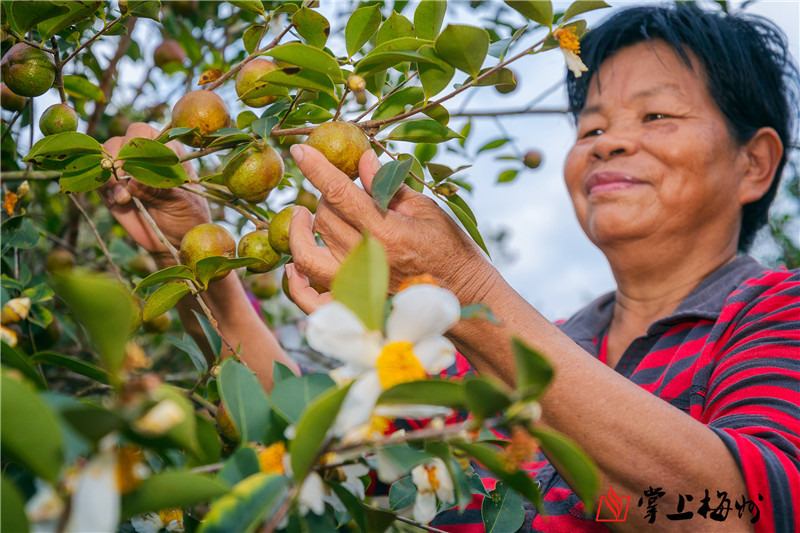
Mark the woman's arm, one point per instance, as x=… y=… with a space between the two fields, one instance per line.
x=637 y=439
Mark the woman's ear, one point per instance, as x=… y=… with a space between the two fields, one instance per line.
x=763 y=153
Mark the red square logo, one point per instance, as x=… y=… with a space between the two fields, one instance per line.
x=615 y=505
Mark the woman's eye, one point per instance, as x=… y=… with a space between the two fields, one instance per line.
x=655 y=116
x=592 y=133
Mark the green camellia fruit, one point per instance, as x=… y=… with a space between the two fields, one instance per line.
x=247 y=80
x=10 y=100
x=159 y=324
x=204 y=110
x=27 y=70
x=279 y=230
x=532 y=159
x=252 y=174
x=256 y=244
x=58 y=118
x=306 y=199
x=263 y=286
x=171 y=53
x=342 y=143
x=207 y=240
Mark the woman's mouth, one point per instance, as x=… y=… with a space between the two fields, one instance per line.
x=609 y=181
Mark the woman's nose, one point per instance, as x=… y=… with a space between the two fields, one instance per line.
x=614 y=142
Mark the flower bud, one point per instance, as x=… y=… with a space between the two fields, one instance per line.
x=106 y=164
x=160 y=419
x=8 y=336
x=446 y=189
x=356 y=83
x=15 y=310
x=23 y=189
x=214 y=371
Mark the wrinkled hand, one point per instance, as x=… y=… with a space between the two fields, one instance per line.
x=417 y=235
x=175 y=211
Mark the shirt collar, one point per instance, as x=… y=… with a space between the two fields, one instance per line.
x=704 y=302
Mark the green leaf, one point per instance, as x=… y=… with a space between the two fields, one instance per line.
x=251 y=37
x=209 y=444
x=245 y=400
x=308 y=57
x=159 y=176
x=19 y=232
x=164 y=299
x=518 y=480
x=12 y=507
x=416 y=169
x=104 y=307
x=240 y=465
x=246 y=506
x=71 y=363
x=82 y=89
x=309 y=113
x=25 y=15
x=78 y=11
x=428 y=18
x=37 y=442
x=422 y=131
x=90 y=420
x=396 y=103
x=149 y=9
x=212 y=337
x=456 y=199
x=507 y=175
x=485 y=398
x=174 y=133
x=497 y=143
x=312 y=427
x=61 y=146
x=14 y=358
x=167 y=274
x=503 y=76
x=171 y=489
x=572 y=463
x=83 y=174
x=503 y=510
x=540 y=11
x=394 y=27
x=184 y=433
x=388 y=180
x=253 y=6
x=361 y=26
x=402 y=493
x=405 y=44
x=376 y=61
x=299 y=78
x=432 y=391
x=464 y=47
x=188 y=345
x=468 y=223
x=479 y=311
x=312 y=26
x=582 y=6
x=280 y=372
x=143 y=150
x=290 y=396
x=403 y=457
x=436 y=74
x=533 y=370
x=362 y=282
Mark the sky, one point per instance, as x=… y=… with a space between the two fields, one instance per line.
x=554 y=266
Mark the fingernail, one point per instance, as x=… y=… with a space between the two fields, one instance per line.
x=297 y=152
x=376 y=163
x=289 y=270
x=121 y=194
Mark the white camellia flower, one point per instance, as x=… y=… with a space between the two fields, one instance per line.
x=95 y=503
x=432 y=480
x=162 y=417
x=170 y=519
x=44 y=508
x=412 y=348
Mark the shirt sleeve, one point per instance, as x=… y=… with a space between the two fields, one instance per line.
x=753 y=397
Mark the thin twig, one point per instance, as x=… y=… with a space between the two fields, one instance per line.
x=259 y=224
x=417 y=524
x=419 y=434
x=236 y=68
x=387 y=95
x=509 y=112
x=341 y=102
x=197 y=153
x=286 y=115
x=390 y=154
x=281 y=511
x=97 y=236
x=33 y=175
x=94 y=38
x=59 y=81
x=14 y=118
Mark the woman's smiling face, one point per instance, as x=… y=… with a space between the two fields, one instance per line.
x=654 y=160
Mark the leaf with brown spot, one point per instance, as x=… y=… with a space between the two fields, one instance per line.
x=209 y=76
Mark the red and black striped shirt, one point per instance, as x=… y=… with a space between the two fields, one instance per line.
x=729 y=356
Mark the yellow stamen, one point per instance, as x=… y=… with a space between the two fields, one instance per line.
x=170 y=514
x=422 y=279
x=379 y=424
x=10 y=202
x=398 y=364
x=433 y=479
x=568 y=40
x=271 y=458
x=521 y=449
x=131 y=469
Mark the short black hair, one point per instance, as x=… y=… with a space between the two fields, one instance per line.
x=750 y=73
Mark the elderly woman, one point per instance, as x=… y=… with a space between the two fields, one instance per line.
x=684 y=383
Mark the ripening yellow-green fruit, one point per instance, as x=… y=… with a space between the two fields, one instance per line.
x=58 y=118
x=253 y=174
x=27 y=70
x=207 y=240
x=256 y=244
x=247 y=80
x=342 y=143
x=279 y=230
x=204 y=110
